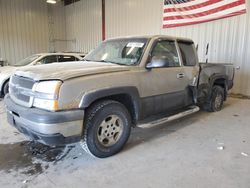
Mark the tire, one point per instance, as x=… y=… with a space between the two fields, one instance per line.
x=107 y=128
x=216 y=100
x=6 y=88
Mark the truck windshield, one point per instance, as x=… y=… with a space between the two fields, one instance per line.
x=119 y=51
x=27 y=60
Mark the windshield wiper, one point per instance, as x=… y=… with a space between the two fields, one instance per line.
x=104 y=61
x=86 y=60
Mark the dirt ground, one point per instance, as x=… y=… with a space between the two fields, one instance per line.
x=201 y=150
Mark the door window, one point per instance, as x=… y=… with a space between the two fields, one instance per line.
x=166 y=51
x=49 y=59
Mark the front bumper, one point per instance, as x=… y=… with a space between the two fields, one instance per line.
x=50 y=128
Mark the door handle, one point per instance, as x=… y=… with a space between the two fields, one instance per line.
x=180 y=75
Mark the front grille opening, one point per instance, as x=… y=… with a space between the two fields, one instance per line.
x=22 y=81
x=17 y=86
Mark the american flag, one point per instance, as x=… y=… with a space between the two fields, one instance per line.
x=186 y=12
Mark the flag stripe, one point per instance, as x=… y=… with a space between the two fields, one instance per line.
x=179 y=13
x=192 y=7
x=206 y=20
x=208 y=12
x=190 y=3
x=200 y=8
x=212 y=16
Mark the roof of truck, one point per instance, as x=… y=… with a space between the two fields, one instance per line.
x=153 y=37
x=61 y=53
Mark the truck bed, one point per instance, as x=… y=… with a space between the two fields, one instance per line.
x=208 y=74
x=212 y=69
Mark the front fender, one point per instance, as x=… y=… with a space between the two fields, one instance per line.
x=89 y=97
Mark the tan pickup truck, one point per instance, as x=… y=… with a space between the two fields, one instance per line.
x=124 y=82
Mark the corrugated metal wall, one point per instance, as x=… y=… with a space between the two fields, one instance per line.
x=83 y=21
x=229 y=38
x=23 y=28
x=58 y=27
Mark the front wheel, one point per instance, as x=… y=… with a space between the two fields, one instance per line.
x=107 y=128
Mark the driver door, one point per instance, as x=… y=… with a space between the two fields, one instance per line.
x=165 y=87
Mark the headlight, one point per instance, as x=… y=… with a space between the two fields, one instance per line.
x=48 y=87
x=46 y=95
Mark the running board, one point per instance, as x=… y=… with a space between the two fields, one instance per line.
x=191 y=110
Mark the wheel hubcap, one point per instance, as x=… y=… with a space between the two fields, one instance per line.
x=218 y=101
x=110 y=130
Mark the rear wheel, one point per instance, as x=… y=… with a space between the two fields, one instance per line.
x=216 y=100
x=107 y=128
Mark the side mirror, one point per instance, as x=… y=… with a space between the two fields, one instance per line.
x=157 y=63
x=38 y=63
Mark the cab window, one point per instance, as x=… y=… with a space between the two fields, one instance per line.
x=65 y=58
x=187 y=53
x=49 y=59
x=166 y=51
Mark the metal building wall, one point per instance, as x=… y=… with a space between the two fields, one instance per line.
x=229 y=38
x=84 y=26
x=58 y=27
x=23 y=28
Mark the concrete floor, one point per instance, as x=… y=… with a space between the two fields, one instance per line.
x=182 y=153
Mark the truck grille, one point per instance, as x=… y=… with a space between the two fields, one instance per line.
x=21 y=90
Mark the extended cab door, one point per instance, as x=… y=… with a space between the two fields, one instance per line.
x=189 y=60
x=166 y=87
x=190 y=63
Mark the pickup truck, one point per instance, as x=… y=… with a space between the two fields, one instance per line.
x=123 y=83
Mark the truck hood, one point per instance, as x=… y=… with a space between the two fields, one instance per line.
x=64 y=71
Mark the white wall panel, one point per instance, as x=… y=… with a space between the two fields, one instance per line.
x=229 y=38
x=57 y=12
x=23 y=28
x=133 y=17
x=83 y=21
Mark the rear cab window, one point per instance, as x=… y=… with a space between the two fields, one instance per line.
x=65 y=58
x=188 y=53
